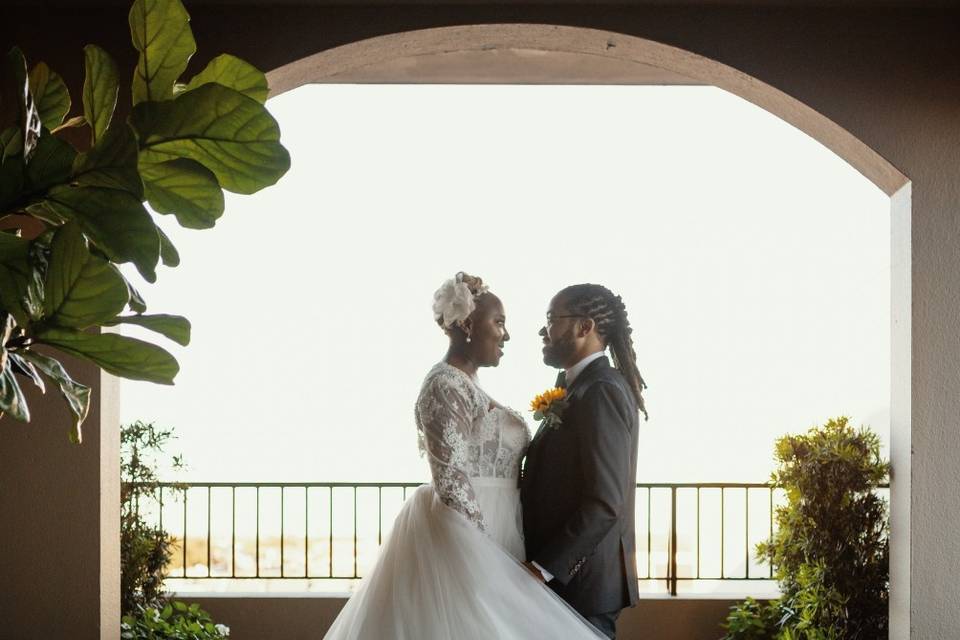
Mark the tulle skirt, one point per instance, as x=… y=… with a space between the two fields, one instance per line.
x=438 y=577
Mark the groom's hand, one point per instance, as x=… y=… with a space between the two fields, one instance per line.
x=534 y=571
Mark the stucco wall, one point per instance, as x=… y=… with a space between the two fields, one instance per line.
x=58 y=551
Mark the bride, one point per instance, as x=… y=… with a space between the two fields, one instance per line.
x=451 y=568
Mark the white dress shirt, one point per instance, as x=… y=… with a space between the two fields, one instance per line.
x=576 y=369
x=569 y=376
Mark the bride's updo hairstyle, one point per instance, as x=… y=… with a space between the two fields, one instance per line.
x=456 y=299
x=609 y=314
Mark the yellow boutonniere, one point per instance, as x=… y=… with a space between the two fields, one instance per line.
x=549 y=406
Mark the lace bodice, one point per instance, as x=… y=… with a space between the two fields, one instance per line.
x=466 y=434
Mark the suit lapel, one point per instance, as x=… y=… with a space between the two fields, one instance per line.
x=591 y=370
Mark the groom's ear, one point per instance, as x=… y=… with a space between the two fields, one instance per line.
x=586 y=325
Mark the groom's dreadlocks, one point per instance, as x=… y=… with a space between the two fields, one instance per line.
x=610 y=316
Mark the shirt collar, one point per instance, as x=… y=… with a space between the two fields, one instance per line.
x=578 y=368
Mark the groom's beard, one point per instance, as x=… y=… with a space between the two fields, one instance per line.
x=559 y=350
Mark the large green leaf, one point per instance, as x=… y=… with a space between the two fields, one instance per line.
x=235 y=73
x=120 y=355
x=11 y=138
x=168 y=253
x=177 y=328
x=184 y=188
x=17 y=101
x=112 y=163
x=11 y=177
x=100 y=89
x=82 y=289
x=24 y=368
x=51 y=164
x=75 y=121
x=161 y=33
x=76 y=394
x=15 y=277
x=229 y=133
x=137 y=303
x=39 y=254
x=12 y=246
x=50 y=94
x=11 y=144
x=42 y=210
x=115 y=221
x=12 y=401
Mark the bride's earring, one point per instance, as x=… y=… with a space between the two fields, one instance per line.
x=468 y=338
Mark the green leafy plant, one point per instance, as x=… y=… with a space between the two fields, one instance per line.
x=753 y=620
x=831 y=549
x=175 y=621
x=71 y=214
x=145 y=549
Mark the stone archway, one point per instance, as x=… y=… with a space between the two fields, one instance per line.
x=548 y=54
x=545 y=54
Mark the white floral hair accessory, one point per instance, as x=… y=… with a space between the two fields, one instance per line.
x=454 y=301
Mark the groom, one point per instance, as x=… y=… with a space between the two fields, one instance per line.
x=579 y=476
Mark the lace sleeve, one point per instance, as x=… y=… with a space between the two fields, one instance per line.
x=444 y=419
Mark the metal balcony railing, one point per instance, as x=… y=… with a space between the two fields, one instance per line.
x=685 y=531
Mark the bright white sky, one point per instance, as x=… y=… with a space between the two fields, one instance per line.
x=754 y=264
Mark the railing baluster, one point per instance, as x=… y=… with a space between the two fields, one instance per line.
x=185 y=492
x=649 y=536
x=698 y=533
x=354 y=531
x=746 y=534
x=769 y=563
x=306 y=531
x=672 y=569
x=379 y=516
x=209 y=503
x=723 y=534
x=282 y=529
x=233 y=532
x=331 y=531
x=258 y=532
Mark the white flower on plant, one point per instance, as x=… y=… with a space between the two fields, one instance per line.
x=223 y=630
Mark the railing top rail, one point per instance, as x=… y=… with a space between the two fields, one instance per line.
x=349 y=485
x=400 y=485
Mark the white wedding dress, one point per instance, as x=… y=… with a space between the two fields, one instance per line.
x=451 y=567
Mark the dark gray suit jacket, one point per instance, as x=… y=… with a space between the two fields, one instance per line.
x=578 y=490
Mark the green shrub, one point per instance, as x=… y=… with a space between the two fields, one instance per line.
x=175 y=621
x=831 y=549
x=752 y=620
x=144 y=549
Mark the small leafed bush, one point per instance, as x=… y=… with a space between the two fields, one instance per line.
x=176 y=621
x=145 y=549
x=830 y=552
x=752 y=620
